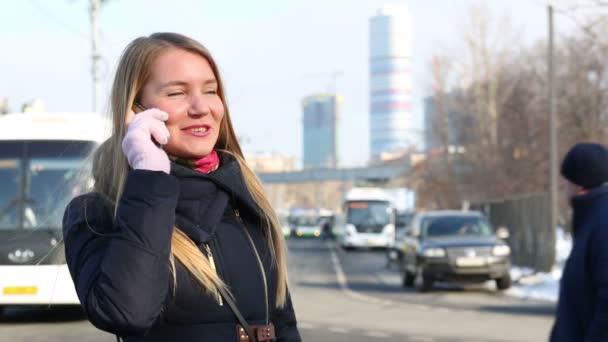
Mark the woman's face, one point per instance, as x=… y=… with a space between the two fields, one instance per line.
x=183 y=84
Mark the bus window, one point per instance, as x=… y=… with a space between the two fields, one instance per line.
x=53 y=183
x=10 y=179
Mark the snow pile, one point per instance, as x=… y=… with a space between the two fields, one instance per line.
x=542 y=286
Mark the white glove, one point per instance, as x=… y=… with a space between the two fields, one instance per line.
x=140 y=143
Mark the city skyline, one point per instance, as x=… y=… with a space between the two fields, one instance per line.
x=266 y=70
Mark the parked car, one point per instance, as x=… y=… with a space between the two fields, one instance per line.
x=454 y=246
x=402 y=224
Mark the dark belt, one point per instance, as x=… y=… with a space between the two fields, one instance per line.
x=262 y=332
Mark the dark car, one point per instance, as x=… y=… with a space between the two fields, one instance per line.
x=453 y=246
x=393 y=251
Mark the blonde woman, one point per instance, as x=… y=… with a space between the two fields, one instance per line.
x=178 y=241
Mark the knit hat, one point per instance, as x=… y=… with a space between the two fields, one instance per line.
x=586 y=165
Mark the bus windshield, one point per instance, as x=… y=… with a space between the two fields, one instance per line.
x=38 y=179
x=305 y=221
x=369 y=213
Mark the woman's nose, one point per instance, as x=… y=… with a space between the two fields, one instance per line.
x=198 y=106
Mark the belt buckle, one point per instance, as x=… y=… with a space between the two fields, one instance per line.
x=264 y=333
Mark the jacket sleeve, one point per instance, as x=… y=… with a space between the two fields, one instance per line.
x=120 y=265
x=598 y=258
x=285 y=322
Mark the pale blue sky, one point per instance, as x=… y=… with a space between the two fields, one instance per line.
x=271 y=52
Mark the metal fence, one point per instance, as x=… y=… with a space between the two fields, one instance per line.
x=532 y=240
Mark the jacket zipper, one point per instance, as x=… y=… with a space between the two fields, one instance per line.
x=213 y=267
x=262 y=270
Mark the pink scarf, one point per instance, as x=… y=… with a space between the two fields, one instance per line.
x=207 y=163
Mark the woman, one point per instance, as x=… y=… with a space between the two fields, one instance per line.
x=178 y=239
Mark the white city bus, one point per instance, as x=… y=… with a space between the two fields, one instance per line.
x=370 y=219
x=43 y=158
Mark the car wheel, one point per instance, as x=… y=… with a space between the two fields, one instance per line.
x=408 y=279
x=504 y=282
x=421 y=282
x=347 y=248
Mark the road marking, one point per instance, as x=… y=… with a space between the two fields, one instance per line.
x=305 y=325
x=418 y=306
x=421 y=339
x=341 y=277
x=378 y=334
x=337 y=267
x=338 y=330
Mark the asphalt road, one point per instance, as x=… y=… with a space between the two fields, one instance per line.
x=345 y=296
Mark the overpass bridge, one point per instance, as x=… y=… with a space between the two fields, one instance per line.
x=376 y=174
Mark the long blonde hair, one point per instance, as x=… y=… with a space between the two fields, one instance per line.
x=110 y=164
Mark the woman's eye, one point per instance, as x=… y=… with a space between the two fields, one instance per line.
x=176 y=93
x=211 y=91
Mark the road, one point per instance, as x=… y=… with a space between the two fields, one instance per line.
x=346 y=296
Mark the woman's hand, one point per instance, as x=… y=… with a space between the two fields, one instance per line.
x=142 y=144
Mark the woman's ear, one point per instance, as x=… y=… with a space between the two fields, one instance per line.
x=136 y=108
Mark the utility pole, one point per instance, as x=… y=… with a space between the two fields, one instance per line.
x=96 y=55
x=553 y=188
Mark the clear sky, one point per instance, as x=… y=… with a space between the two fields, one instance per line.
x=272 y=53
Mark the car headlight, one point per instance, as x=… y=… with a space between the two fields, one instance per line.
x=389 y=229
x=434 y=253
x=350 y=229
x=501 y=250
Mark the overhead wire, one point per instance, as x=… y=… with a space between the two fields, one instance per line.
x=58 y=21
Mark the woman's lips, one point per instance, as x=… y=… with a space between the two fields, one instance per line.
x=197 y=130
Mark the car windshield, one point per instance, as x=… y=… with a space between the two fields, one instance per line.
x=369 y=213
x=454 y=226
x=305 y=221
x=38 y=179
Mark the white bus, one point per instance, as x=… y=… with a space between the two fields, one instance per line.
x=370 y=219
x=43 y=158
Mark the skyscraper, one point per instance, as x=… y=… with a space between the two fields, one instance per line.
x=320 y=124
x=392 y=127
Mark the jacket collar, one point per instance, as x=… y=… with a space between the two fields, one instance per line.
x=590 y=198
x=583 y=205
x=206 y=197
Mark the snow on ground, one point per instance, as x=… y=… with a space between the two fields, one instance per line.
x=542 y=286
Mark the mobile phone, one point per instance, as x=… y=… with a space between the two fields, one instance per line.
x=138 y=107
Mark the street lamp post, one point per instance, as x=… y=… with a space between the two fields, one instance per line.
x=553 y=174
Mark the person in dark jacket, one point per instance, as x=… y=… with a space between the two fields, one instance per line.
x=582 y=312
x=177 y=226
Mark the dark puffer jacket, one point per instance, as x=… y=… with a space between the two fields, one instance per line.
x=120 y=265
x=582 y=312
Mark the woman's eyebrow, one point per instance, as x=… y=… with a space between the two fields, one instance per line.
x=183 y=83
x=173 y=83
